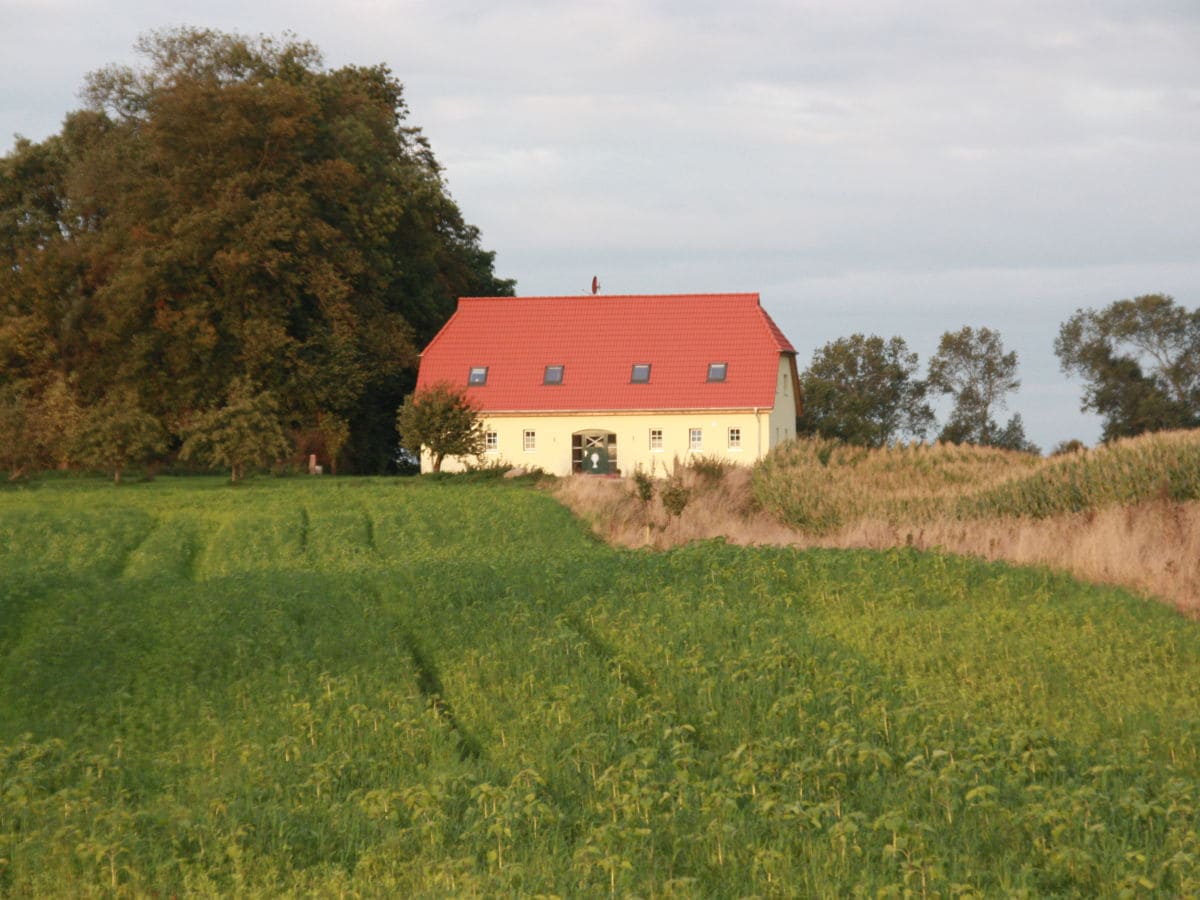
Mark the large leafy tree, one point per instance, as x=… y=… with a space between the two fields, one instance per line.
x=234 y=209
x=47 y=282
x=970 y=366
x=863 y=390
x=1140 y=362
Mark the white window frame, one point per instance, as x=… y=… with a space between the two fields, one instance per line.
x=491 y=441
x=734 y=437
x=656 y=440
x=695 y=439
x=529 y=440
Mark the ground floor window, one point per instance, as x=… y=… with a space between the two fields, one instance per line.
x=735 y=439
x=656 y=439
x=491 y=441
x=695 y=439
x=529 y=440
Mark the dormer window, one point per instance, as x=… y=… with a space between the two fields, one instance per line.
x=716 y=371
x=640 y=373
x=554 y=375
x=477 y=376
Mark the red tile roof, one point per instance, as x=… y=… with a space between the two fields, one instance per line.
x=598 y=339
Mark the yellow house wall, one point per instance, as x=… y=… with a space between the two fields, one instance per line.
x=760 y=431
x=783 y=416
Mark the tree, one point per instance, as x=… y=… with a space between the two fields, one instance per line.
x=441 y=420
x=862 y=390
x=39 y=424
x=233 y=208
x=1064 y=448
x=16 y=451
x=972 y=368
x=245 y=432
x=1140 y=361
x=118 y=432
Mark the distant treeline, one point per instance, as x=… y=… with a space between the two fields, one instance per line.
x=1139 y=360
x=232 y=222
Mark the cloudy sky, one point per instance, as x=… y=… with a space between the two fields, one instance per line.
x=892 y=167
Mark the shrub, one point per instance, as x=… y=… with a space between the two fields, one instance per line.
x=643 y=485
x=710 y=468
x=675 y=496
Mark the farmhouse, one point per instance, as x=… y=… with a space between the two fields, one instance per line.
x=607 y=384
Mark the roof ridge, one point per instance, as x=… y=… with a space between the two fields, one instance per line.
x=746 y=295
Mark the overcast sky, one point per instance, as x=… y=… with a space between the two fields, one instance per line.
x=894 y=167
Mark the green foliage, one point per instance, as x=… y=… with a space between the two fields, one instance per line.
x=862 y=390
x=643 y=485
x=675 y=496
x=971 y=366
x=232 y=207
x=17 y=454
x=442 y=420
x=1140 y=361
x=710 y=467
x=243 y=433
x=319 y=686
x=39 y=424
x=117 y=433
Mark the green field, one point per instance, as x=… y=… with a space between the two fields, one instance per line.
x=396 y=687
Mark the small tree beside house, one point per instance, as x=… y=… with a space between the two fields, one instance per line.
x=441 y=420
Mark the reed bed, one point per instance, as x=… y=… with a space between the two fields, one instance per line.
x=818 y=486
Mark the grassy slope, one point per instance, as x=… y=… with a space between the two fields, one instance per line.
x=440 y=688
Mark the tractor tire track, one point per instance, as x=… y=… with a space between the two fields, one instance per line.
x=429 y=682
x=626 y=672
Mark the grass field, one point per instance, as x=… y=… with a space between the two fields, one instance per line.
x=396 y=687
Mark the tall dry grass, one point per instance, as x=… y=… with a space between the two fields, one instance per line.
x=722 y=508
x=1152 y=548
x=1127 y=514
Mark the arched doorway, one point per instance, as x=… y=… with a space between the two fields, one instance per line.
x=594 y=452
